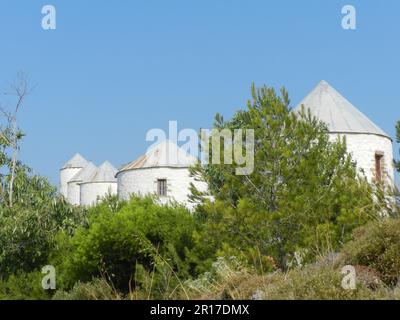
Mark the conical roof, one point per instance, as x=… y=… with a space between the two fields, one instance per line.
x=105 y=173
x=77 y=161
x=85 y=174
x=329 y=106
x=164 y=154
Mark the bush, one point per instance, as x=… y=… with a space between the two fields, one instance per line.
x=24 y=286
x=141 y=235
x=97 y=289
x=377 y=245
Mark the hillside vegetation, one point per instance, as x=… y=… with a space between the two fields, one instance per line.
x=283 y=232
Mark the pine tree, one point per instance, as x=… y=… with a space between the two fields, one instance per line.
x=303 y=196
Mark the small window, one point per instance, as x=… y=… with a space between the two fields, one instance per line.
x=378 y=167
x=162 y=187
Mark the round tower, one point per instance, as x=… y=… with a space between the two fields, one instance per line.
x=163 y=171
x=70 y=169
x=369 y=145
x=85 y=174
x=103 y=182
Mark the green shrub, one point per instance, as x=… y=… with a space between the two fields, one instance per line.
x=377 y=245
x=140 y=235
x=24 y=286
x=97 y=289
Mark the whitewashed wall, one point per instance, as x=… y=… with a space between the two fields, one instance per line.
x=144 y=181
x=65 y=176
x=363 y=148
x=91 y=192
x=73 y=196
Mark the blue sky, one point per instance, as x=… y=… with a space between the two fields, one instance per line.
x=115 y=69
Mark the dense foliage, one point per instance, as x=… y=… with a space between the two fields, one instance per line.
x=24 y=286
x=123 y=246
x=28 y=228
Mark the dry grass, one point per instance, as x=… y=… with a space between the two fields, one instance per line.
x=319 y=281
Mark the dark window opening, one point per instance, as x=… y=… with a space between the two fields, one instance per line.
x=378 y=167
x=162 y=187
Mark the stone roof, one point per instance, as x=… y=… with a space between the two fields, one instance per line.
x=105 y=173
x=328 y=105
x=164 y=154
x=77 y=161
x=85 y=174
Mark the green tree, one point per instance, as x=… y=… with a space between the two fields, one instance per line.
x=11 y=136
x=304 y=192
x=31 y=210
x=29 y=227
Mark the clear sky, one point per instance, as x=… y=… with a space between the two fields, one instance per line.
x=112 y=70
